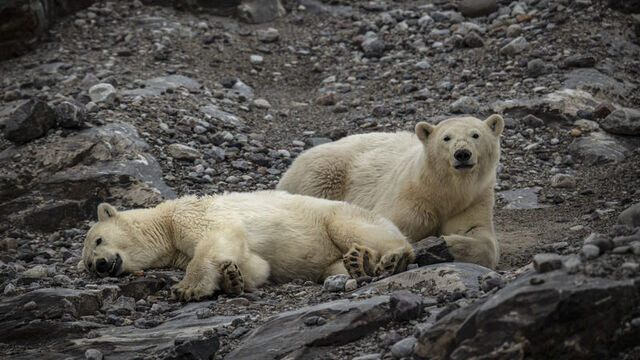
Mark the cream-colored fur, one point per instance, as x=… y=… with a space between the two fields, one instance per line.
x=411 y=179
x=267 y=234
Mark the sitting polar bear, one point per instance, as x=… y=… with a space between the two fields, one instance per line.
x=238 y=241
x=437 y=182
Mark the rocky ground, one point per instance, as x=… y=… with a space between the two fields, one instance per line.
x=131 y=103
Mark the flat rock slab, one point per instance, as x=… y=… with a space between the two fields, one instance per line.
x=159 y=85
x=598 y=148
x=595 y=81
x=287 y=336
x=538 y=315
x=43 y=320
x=524 y=198
x=560 y=106
x=221 y=116
x=446 y=276
x=129 y=342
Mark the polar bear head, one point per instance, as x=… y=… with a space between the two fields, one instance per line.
x=116 y=243
x=464 y=147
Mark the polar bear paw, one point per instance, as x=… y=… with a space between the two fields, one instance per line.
x=359 y=261
x=232 y=281
x=185 y=291
x=393 y=263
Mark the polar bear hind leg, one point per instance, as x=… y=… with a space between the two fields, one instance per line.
x=360 y=261
x=231 y=281
x=369 y=243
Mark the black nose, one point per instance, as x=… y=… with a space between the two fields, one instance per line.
x=102 y=266
x=462 y=155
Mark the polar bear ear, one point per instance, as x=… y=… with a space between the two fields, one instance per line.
x=423 y=130
x=495 y=122
x=106 y=211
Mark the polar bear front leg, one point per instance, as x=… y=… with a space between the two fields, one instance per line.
x=215 y=257
x=475 y=250
x=470 y=236
x=201 y=276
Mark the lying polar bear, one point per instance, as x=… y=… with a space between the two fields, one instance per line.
x=437 y=181
x=238 y=241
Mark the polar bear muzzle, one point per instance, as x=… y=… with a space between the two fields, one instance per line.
x=108 y=266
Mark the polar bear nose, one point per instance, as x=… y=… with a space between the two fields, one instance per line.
x=462 y=155
x=102 y=266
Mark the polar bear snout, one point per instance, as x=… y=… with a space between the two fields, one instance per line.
x=463 y=159
x=108 y=266
x=462 y=155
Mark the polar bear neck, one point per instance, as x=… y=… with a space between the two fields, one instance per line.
x=155 y=229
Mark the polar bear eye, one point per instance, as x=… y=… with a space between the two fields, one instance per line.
x=447 y=138
x=98 y=241
x=475 y=136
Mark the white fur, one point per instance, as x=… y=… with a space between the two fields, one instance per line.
x=268 y=235
x=410 y=179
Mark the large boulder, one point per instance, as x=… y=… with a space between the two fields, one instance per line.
x=624 y=121
x=60 y=183
x=35 y=316
x=445 y=277
x=24 y=121
x=24 y=22
x=303 y=333
x=538 y=315
x=181 y=335
x=598 y=148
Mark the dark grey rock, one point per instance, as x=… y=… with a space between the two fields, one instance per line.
x=590 y=251
x=445 y=277
x=29 y=120
x=593 y=80
x=580 y=61
x=473 y=40
x=123 y=305
x=280 y=337
x=624 y=121
x=102 y=93
x=515 y=47
x=159 y=85
x=536 y=318
x=79 y=172
x=335 y=283
x=630 y=216
x=93 y=354
x=601 y=241
x=71 y=115
x=465 y=105
x=43 y=322
x=403 y=348
x=537 y=67
x=126 y=342
x=561 y=106
x=222 y=116
x=405 y=305
x=432 y=250
x=532 y=121
x=204 y=349
x=260 y=11
x=25 y=22
x=373 y=47
x=476 y=8
x=597 y=148
x=547 y=262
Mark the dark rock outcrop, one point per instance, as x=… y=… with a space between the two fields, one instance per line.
x=75 y=174
x=538 y=316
